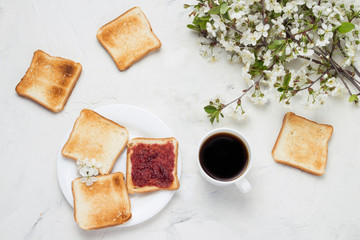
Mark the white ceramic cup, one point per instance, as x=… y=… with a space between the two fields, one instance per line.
x=240 y=181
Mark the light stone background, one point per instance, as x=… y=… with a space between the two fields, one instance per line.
x=173 y=83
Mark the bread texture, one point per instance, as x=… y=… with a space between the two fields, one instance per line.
x=128 y=38
x=49 y=80
x=302 y=144
x=148 y=160
x=94 y=136
x=104 y=204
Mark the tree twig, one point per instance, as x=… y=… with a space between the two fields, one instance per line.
x=311 y=59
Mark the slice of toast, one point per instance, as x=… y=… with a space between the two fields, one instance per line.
x=302 y=144
x=128 y=38
x=152 y=164
x=49 y=80
x=94 y=136
x=104 y=204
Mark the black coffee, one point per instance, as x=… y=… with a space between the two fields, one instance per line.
x=223 y=156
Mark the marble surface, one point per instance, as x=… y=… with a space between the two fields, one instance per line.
x=174 y=83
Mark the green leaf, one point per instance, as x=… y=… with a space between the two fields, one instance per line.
x=196 y=20
x=215 y=10
x=259 y=64
x=280 y=89
x=254 y=72
x=193 y=27
x=212 y=118
x=353 y=98
x=276 y=44
x=210 y=109
x=205 y=18
x=279 y=41
x=287 y=79
x=200 y=22
x=276 y=15
x=345 y=27
x=282 y=97
x=224 y=7
x=272 y=46
x=227 y=16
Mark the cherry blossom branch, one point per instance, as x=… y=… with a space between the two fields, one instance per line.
x=246 y=90
x=313 y=82
x=340 y=71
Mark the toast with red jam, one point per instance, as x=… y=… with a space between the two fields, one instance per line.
x=152 y=165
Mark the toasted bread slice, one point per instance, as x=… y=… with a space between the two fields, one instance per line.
x=128 y=38
x=104 y=204
x=152 y=164
x=49 y=81
x=94 y=136
x=303 y=144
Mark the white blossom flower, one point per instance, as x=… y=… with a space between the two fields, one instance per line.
x=210 y=29
x=310 y=3
x=317 y=10
x=331 y=82
x=278 y=70
x=259 y=100
x=289 y=9
x=230 y=45
x=316 y=102
x=267 y=58
x=278 y=22
x=327 y=8
x=234 y=58
x=88 y=180
x=247 y=57
x=299 y=2
x=218 y=23
x=246 y=76
x=204 y=9
x=88 y=169
x=322 y=42
x=262 y=29
x=250 y=38
x=254 y=17
x=338 y=91
x=237 y=113
x=285 y=105
x=326 y=30
x=322 y=98
x=238 y=9
x=205 y=51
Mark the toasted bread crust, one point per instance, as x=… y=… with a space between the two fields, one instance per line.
x=130 y=56
x=71 y=143
x=111 y=184
x=286 y=118
x=130 y=185
x=49 y=81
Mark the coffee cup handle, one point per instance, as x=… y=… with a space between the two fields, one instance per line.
x=243 y=185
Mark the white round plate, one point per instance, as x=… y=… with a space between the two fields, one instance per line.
x=140 y=123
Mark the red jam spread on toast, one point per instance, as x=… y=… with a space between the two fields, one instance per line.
x=152 y=165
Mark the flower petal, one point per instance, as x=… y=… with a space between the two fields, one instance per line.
x=89 y=182
x=83 y=172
